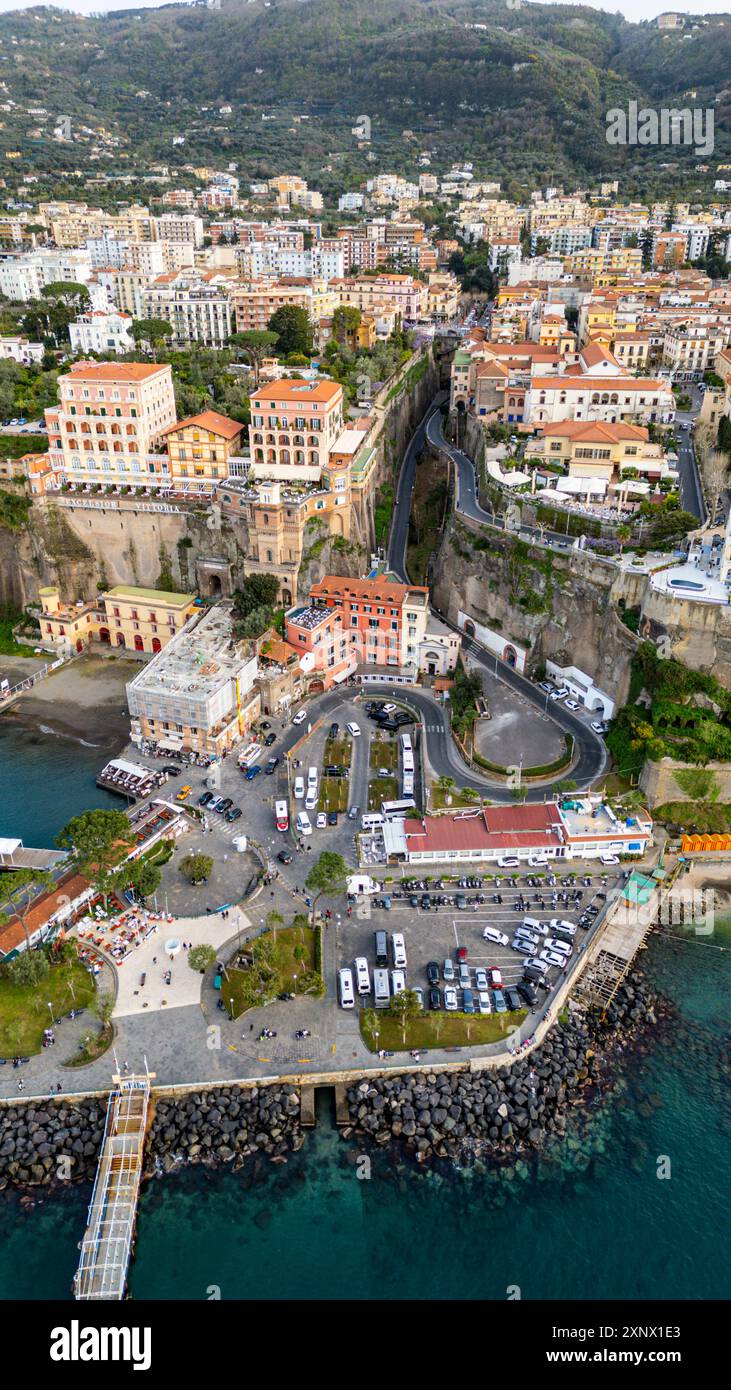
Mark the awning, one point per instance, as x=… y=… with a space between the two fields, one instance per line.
x=171 y=741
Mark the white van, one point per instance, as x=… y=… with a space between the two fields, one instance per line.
x=533 y=925
x=398 y=982
x=362 y=975
x=372 y=821
x=381 y=989
x=311 y=777
x=299 y=788
x=345 y=989
x=303 y=823
x=311 y=799
x=398 y=948
x=492 y=934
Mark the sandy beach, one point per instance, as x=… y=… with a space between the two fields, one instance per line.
x=85 y=700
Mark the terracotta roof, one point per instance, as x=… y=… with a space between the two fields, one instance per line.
x=116 y=371
x=496 y=827
x=297 y=392
x=595 y=429
x=67 y=890
x=368 y=590
x=599 y=383
x=593 y=353
x=209 y=420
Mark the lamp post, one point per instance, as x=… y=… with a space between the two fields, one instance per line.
x=294 y=978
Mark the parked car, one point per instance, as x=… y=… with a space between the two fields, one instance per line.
x=464 y=976
x=332 y=817
x=252 y=772
x=554 y=943
x=483 y=1002
x=353 y=730
x=461 y=953
x=172 y=771
x=553 y=958
x=508 y=861
x=435 y=998
x=334 y=731
x=285 y=856
x=418 y=991
x=183 y=794
x=205 y=799
x=450 y=998
x=560 y=924
x=572 y=704
x=269 y=740
x=468 y=1001
x=353 y=813
x=432 y=972
x=299 y=788
x=321 y=821
x=481 y=978
x=271 y=766
x=535 y=963
x=448 y=970
x=460 y=902
x=598 y=727
x=498 y=938
x=512 y=998
x=234 y=813
x=299 y=716
x=527 y=992
x=495 y=977
x=224 y=804
x=610 y=859
x=499 y=1001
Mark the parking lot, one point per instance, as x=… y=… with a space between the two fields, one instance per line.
x=437 y=933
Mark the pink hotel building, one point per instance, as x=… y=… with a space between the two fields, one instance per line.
x=110 y=419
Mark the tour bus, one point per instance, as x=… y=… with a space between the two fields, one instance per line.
x=398 y=810
x=345 y=989
x=405 y=741
x=282 y=814
x=408 y=784
x=407 y=760
x=381 y=947
x=398 y=947
x=362 y=975
x=371 y=821
x=381 y=989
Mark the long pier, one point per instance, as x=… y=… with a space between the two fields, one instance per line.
x=107 y=1244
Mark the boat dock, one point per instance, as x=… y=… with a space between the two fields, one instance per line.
x=15 y=855
x=623 y=936
x=342 y=1113
x=307 y=1106
x=107 y=1244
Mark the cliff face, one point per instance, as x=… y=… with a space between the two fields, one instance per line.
x=559 y=607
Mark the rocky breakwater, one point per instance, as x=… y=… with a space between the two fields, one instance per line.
x=50 y=1142
x=497 y=1113
x=226 y=1125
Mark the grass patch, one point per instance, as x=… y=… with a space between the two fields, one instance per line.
x=459 y=799
x=338 y=752
x=24 y=1011
x=438 y=1030
x=381 y=789
x=9 y=618
x=384 y=754
x=294 y=953
x=333 y=794
x=97 y=1045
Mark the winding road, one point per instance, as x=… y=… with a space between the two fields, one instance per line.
x=441 y=752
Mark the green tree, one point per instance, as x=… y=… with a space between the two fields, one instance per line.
x=293 y=329
x=28 y=969
x=153 y=332
x=404 y=1006
x=327 y=875
x=18 y=891
x=98 y=841
x=201 y=957
x=196 y=867
x=254 y=345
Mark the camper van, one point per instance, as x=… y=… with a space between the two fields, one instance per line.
x=381 y=989
x=362 y=975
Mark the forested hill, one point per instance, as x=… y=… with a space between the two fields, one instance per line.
x=522 y=92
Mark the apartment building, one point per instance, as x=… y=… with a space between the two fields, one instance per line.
x=254 y=304
x=110 y=418
x=594 y=449
x=140 y=620
x=105 y=332
x=409 y=296
x=328 y=652
x=198 y=308
x=385 y=621
x=22 y=277
x=178 y=226
x=16 y=348
x=294 y=425
x=610 y=398
x=691 y=349
x=198 y=693
x=203 y=446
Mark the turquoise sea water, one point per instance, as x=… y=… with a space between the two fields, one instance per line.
x=593 y=1222
x=45 y=778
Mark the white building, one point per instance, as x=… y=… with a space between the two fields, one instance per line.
x=102 y=332
x=19 y=349
x=197 y=311
x=179 y=226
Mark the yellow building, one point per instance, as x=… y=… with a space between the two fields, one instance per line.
x=140 y=620
x=202 y=446
x=595 y=449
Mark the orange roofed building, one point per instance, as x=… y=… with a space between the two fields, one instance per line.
x=202 y=447
x=110 y=418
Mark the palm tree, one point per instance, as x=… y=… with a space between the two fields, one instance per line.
x=446 y=786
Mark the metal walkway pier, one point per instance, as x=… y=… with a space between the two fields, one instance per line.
x=107 y=1243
